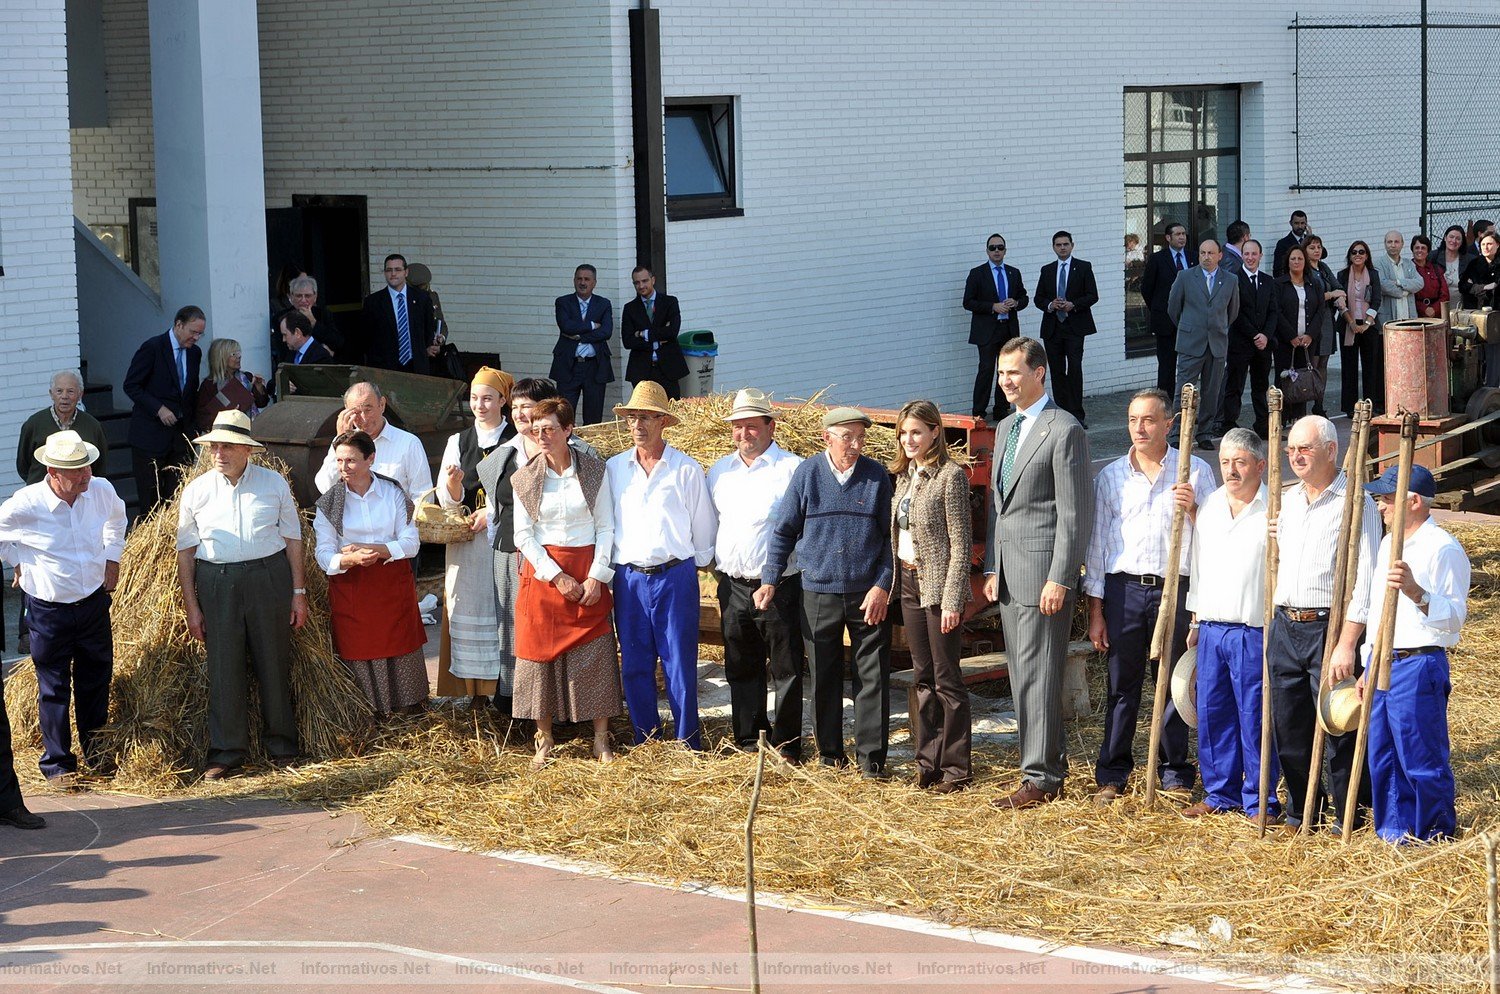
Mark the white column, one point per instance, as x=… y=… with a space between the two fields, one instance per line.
x=210 y=174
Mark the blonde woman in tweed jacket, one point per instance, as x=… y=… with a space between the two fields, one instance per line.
x=931 y=537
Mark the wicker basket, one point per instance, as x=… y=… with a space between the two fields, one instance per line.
x=441 y=525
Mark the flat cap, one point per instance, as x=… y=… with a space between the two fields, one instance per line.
x=845 y=415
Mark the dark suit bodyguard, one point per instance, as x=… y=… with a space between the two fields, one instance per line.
x=1041 y=513
x=1156 y=286
x=993 y=294
x=580 y=360
x=1066 y=294
x=649 y=326
x=1252 y=344
x=162 y=384
x=400 y=329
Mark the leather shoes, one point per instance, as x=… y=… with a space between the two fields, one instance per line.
x=220 y=771
x=927 y=778
x=66 y=782
x=1028 y=795
x=1198 y=810
x=951 y=786
x=19 y=817
x=1106 y=795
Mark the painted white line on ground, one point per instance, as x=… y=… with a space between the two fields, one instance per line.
x=1294 y=984
x=386 y=947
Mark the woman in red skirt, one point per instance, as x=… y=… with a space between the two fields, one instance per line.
x=364 y=529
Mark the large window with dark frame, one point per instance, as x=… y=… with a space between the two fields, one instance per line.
x=1182 y=164
x=700 y=154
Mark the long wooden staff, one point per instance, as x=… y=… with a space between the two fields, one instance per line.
x=1378 y=673
x=1345 y=567
x=1166 y=614
x=1273 y=511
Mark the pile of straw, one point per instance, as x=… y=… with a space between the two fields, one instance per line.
x=158 y=728
x=706 y=436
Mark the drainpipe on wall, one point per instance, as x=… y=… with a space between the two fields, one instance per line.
x=647 y=125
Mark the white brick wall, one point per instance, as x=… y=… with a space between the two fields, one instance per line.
x=879 y=144
x=38 y=293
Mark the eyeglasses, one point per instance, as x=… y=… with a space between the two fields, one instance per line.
x=395 y=269
x=545 y=430
x=848 y=438
x=996 y=248
x=1302 y=450
x=642 y=419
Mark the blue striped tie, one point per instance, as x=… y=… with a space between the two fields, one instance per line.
x=403 y=330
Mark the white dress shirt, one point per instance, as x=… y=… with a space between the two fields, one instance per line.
x=237 y=523
x=565 y=520
x=398 y=454
x=1229 y=561
x=1133 y=519
x=1029 y=419
x=666 y=515
x=1002 y=287
x=485 y=437
x=1440 y=567
x=745 y=498
x=1307 y=540
x=377 y=518
x=842 y=475
x=62 y=549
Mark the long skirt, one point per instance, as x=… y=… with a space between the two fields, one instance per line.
x=472 y=662
x=378 y=633
x=581 y=679
x=392 y=683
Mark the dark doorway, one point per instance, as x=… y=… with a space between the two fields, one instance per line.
x=328 y=237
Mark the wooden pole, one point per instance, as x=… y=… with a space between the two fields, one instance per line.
x=1492 y=893
x=1345 y=567
x=1273 y=511
x=1378 y=674
x=1166 y=614
x=760 y=773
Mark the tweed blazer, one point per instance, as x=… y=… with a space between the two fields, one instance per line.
x=943 y=532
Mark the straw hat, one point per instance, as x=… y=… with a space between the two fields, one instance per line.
x=1339 y=706
x=648 y=395
x=1185 y=686
x=750 y=403
x=66 y=450
x=232 y=428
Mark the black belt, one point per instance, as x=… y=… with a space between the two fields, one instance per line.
x=744 y=581
x=1304 y=615
x=243 y=565
x=652 y=570
x=1146 y=580
x=1421 y=650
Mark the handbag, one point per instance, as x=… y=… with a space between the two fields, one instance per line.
x=1300 y=384
x=449 y=363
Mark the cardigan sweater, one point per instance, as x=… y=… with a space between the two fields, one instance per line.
x=841 y=531
x=942 y=530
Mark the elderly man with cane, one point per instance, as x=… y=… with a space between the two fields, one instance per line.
x=1412 y=785
x=64 y=535
x=240 y=566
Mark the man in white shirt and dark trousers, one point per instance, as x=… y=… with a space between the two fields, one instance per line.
x=746 y=486
x=1307 y=538
x=64 y=535
x=1135 y=498
x=240 y=566
x=398 y=454
x=1227 y=602
x=664 y=531
x=1412 y=787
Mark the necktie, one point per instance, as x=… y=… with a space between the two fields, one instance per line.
x=1062 y=288
x=403 y=330
x=1178 y=257
x=651 y=309
x=181 y=368
x=1002 y=288
x=1008 y=463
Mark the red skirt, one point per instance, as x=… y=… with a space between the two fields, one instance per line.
x=547 y=623
x=373 y=610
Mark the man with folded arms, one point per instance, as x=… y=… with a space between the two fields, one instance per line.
x=746 y=486
x=664 y=531
x=64 y=535
x=837 y=512
x=1411 y=775
x=239 y=563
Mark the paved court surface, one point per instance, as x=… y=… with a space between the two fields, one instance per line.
x=122 y=894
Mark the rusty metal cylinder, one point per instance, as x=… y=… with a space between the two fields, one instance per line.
x=1416 y=366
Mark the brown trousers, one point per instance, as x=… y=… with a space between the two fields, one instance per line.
x=941 y=727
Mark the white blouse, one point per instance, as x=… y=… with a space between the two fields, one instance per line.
x=1301 y=309
x=377 y=518
x=564 y=520
x=486 y=438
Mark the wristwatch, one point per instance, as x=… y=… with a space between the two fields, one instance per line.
x=1424 y=600
x=299 y=590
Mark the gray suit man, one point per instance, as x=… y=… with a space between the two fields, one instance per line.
x=1041 y=515
x=1203 y=304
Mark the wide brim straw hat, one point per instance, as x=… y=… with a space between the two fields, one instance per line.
x=750 y=403
x=232 y=428
x=66 y=450
x=647 y=396
x=1185 y=686
x=1339 y=706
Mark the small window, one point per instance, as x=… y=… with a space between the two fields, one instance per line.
x=700 y=159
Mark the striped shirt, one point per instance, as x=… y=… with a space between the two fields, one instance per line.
x=1133 y=519
x=1307 y=539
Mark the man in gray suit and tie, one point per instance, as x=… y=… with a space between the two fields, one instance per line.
x=1041 y=515
x=1204 y=302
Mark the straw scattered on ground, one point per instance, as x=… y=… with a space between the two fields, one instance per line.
x=1368 y=915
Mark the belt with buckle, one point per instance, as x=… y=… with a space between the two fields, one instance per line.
x=1146 y=580
x=1421 y=650
x=1303 y=615
x=652 y=570
x=744 y=581
x=909 y=567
